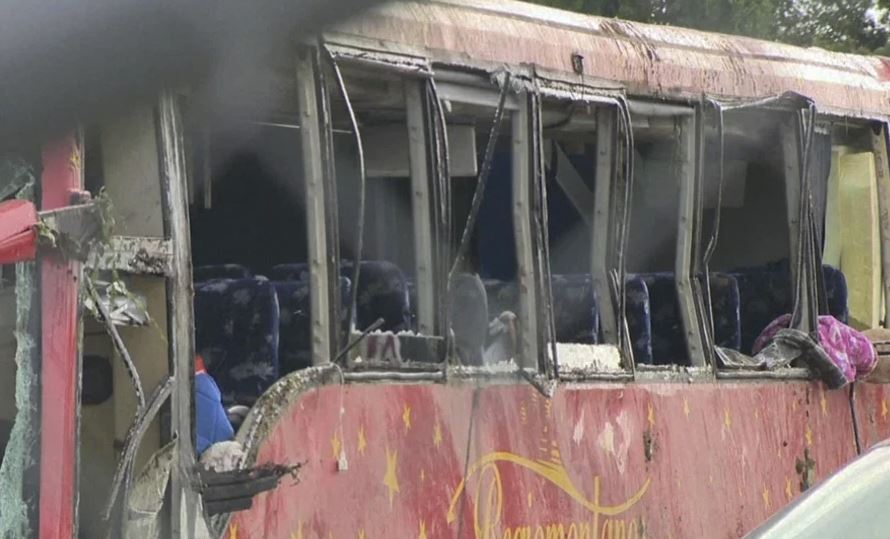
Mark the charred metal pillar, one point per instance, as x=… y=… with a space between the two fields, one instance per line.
x=314 y=185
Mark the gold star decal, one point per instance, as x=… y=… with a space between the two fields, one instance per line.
x=437 y=435
x=361 y=533
x=74 y=161
x=406 y=417
x=809 y=435
x=824 y=403
x=391 y=479
x=766 y=501
x=422 y=530
x=362 y=442
x=336 y=446
x=233 y=531
x=299 y=533
x=686 y=406
x=884 y=410
x=788 y=492
x=422 y=475
x=530 y=499
x=651 y=415
x=727 y=419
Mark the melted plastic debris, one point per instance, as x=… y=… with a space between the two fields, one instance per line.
x=223 y=456
x=23 y=440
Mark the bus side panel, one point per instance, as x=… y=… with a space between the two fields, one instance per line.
x=598 y=460
x=60 y=360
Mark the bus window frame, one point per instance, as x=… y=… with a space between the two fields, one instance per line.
x=790 y=133
x=414 y=73
x=606 y=107
x=686 y=122
x=880 y=142
x=315 y=183
x=519 y=105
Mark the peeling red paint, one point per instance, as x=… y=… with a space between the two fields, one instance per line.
x=425 y=461
x=18 y=236
x=60 y=373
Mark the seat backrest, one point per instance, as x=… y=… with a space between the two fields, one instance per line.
x=639 y=319
x=221 y=271
x=765 y=293
x=575 y=315
x=726 y=309
x=836 y=293
x=236 y=331
x=297 y=271
x=382 y=293
x=295 y=319
x=668 y=334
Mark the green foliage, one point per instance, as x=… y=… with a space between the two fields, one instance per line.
x=859 y=26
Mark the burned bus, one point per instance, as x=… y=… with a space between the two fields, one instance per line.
x=458 y=269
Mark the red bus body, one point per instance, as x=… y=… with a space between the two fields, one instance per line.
x=598 y=460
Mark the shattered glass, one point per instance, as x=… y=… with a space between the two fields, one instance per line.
x=16 y=178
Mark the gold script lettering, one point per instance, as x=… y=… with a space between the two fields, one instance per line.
x=489 y=506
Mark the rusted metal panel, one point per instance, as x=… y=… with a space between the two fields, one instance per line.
x=659 y=61
x=598 y=460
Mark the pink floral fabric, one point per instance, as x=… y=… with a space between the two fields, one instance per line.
x=849 y=349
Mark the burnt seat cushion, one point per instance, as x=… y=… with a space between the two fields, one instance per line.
x=295 y=319
x=236 y=331
x=639 y=319
x=575 y=315
x=221 y=271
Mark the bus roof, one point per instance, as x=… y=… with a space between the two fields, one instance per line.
x=647 y=60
